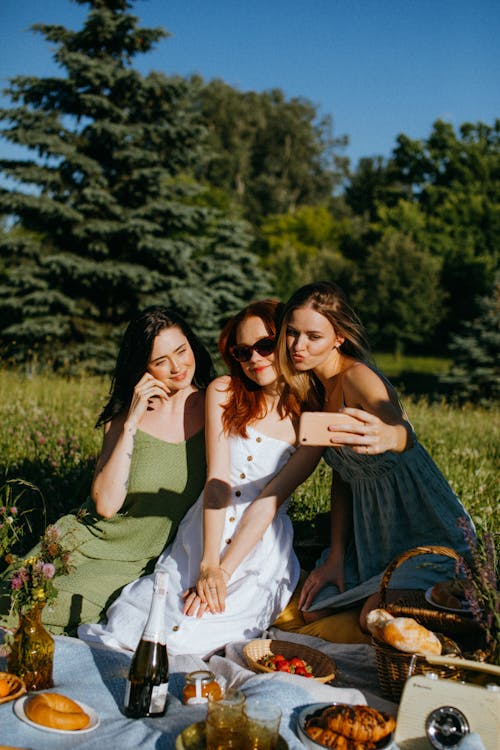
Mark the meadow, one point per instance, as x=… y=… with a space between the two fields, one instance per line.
x=48 y=438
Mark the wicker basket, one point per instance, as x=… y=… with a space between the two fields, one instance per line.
x=323 y=667
x=415 y=605
x=15 y=684
x=393 y=666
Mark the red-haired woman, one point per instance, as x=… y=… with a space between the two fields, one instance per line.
x=231 y=567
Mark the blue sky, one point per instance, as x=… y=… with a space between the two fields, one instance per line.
x=378 y=67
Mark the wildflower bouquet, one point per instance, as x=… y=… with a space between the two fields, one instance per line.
x=33 y=582
x=481 y=587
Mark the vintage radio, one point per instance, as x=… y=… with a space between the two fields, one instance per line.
x=436 y=713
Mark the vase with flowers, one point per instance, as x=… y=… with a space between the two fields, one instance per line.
x=31 y=647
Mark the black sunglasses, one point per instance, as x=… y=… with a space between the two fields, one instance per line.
x=243 y=353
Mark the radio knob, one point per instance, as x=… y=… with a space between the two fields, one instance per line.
x=445 y=727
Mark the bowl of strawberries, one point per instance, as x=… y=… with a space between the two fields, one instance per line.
x=266 y=655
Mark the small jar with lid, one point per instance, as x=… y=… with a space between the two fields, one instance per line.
x=199 y=685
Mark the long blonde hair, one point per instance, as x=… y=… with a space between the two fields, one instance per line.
x=329 y=300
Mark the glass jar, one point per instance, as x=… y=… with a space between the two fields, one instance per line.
x=199 y=685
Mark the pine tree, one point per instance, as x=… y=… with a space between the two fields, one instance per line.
x=475 y=372
x=108 y=215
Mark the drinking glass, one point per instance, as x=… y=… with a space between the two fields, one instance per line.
x=263 y=723
x=226 y=722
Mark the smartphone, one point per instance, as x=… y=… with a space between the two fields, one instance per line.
x=313 y=426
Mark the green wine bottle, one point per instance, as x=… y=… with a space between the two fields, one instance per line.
x=146 y=691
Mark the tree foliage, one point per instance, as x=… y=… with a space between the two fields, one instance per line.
x=109 y=215
x=303 y=246
x=144 y=189
x=453 y=179
x=271 y=153
x=475 y=372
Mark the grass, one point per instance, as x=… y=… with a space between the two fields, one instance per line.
x=392 y=365
x=48 y=438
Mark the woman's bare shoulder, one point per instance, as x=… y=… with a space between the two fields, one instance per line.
x=360 y=372
x=221 y=383
x=219 y=386
x=363 y=385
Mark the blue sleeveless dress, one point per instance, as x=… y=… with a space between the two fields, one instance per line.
x=399 y=501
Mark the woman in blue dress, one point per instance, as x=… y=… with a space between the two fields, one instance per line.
x=387 y=493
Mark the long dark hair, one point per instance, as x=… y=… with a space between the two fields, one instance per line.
x=246 y=401
x=135 y=351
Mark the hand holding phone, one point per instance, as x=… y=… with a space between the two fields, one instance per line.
x=313 y=426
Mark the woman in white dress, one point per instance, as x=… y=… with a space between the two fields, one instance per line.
x=231 y=567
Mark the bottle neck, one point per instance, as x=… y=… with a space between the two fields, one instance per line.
x=155 y=625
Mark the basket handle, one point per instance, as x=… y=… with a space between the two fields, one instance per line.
x=415 y=552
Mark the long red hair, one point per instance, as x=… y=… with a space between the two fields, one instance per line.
x=246 y=401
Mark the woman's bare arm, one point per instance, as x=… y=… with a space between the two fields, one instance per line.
x=378 y=423
x=110 y=482
x=332 y=569
x=211 y=584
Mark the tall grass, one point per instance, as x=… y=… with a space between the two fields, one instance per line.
x=47 y=437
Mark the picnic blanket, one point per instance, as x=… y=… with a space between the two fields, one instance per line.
x=96 y=676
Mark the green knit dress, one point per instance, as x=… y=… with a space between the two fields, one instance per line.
x=165 y=480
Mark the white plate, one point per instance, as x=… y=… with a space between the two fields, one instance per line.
x=465 y=611
x=93 y=724
x=387 y=743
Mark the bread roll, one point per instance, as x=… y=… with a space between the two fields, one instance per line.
x=359 y=723
x=376 y=620
x=56 y=711
x=327 y=738
x=448 y=594
x=406 y=634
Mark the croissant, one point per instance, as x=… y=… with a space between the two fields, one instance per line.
x=327 y=738
x=361 y=723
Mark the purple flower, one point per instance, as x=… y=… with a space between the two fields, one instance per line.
x=16 y=582
x=48 y=570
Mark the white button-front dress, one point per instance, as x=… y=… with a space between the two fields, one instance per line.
x=259 y=588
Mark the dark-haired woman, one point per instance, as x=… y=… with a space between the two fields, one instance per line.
x=150 y=471
x=231 y=567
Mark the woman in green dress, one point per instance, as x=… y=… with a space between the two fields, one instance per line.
x=150 y=471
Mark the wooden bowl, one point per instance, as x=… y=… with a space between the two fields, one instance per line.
x=16 y=686
x=323 y=667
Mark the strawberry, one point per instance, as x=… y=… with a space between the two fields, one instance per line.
x=277 y=658
x=284 y=666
